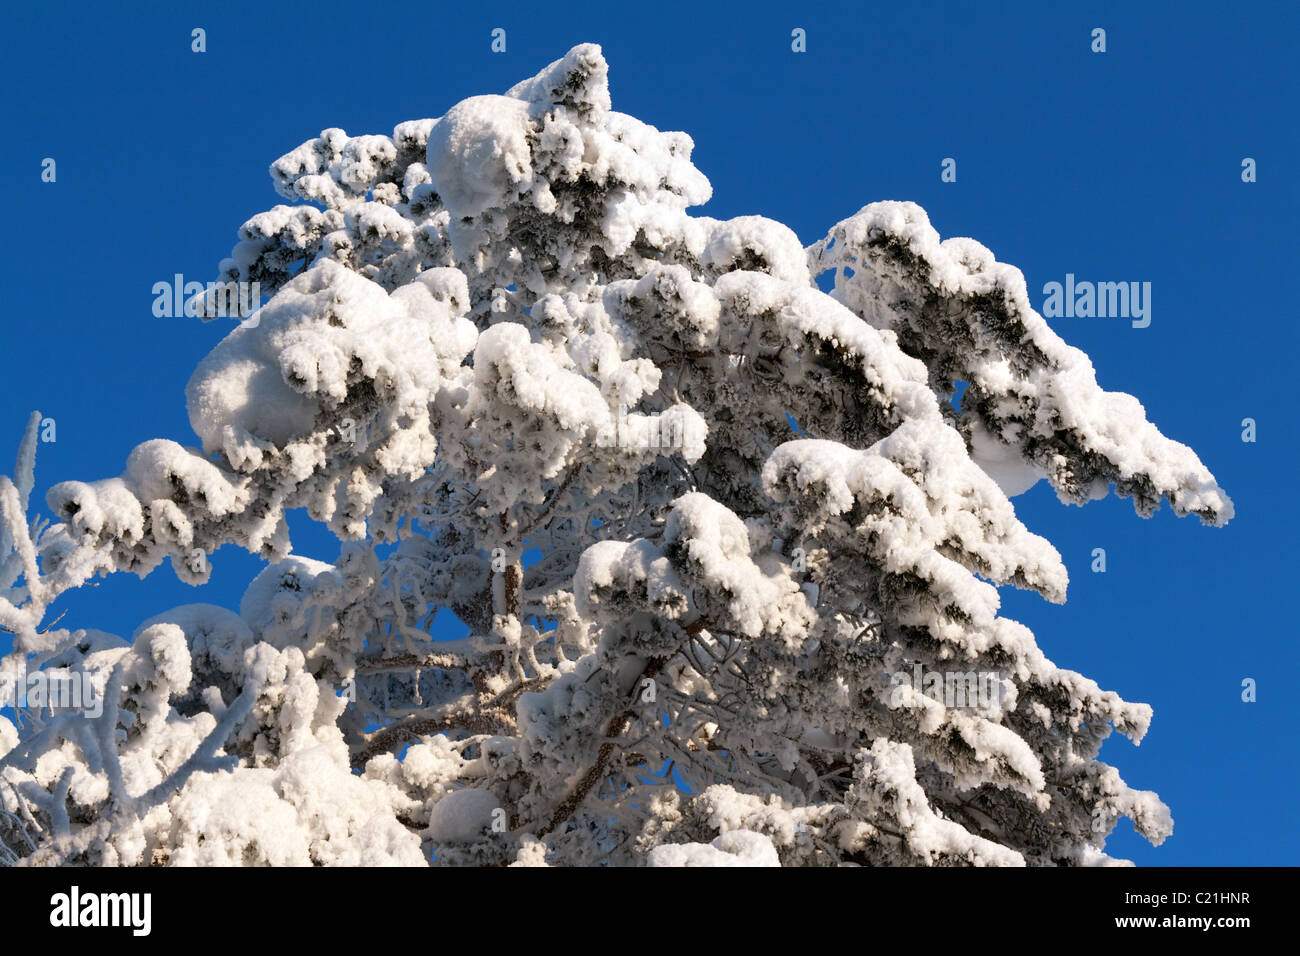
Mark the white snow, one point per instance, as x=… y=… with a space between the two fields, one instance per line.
x=527 y=390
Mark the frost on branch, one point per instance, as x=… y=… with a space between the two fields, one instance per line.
x=968 y=316
x=541 y=403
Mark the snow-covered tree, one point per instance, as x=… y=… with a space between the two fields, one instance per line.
x=724 y=547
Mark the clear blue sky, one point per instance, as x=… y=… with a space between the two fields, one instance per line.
x=1117 y=166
